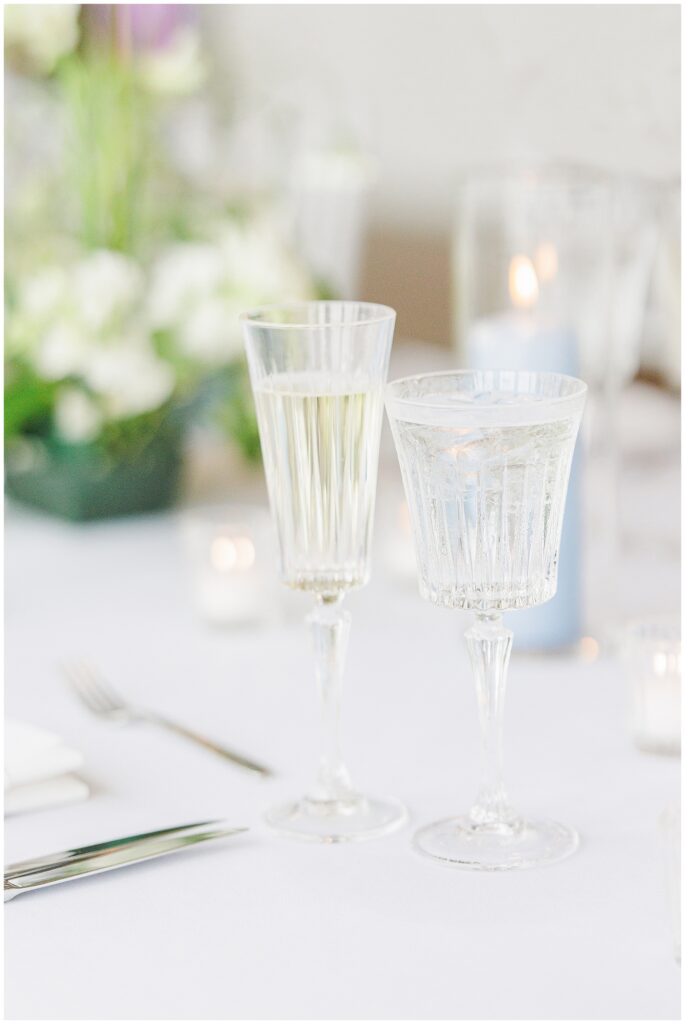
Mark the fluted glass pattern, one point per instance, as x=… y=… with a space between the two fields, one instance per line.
x=485 y=459
x=318 y=373
x=320 y=443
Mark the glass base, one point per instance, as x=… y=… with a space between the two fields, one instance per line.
x=460 y=843
x=336 y=821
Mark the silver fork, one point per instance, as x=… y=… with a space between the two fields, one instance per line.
x=99 y=697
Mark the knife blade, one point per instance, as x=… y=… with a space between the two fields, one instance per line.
x=91 y=860
x=79 y=853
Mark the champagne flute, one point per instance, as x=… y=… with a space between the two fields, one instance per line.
x=318 y=372
x=485 y=459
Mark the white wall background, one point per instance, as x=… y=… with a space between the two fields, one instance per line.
x=431 y=89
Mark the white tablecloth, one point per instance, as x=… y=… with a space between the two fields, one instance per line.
x=259 y=927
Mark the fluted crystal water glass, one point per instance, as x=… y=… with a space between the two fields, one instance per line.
x=318 y=371
x=485 y=459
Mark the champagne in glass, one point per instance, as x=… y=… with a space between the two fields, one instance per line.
x=485 y=459
x=318 y=371
x=320 y=444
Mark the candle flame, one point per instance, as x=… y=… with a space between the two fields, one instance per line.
x=546 y=261
x=228 y=553
x=223 y=554
x=589 y=648
x=523 y=282
x=246 y=553
x=664 y=663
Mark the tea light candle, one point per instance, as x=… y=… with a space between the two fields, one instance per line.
x=671 y=832
x=651 y=652
x=656 y=704
x=232 y=562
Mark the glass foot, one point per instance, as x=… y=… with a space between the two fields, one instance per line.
x=336 y=821
x=460 y=843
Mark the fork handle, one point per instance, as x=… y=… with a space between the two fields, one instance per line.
x=203 y=741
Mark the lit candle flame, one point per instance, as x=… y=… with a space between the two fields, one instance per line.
x=546 y=261
x=246 y=552
x=229 y=553
x=589 y=648
x=523 y=282
x=666 y=663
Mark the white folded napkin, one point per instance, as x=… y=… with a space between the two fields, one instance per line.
x=38 y=767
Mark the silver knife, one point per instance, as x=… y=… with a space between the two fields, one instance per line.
x=91 y=860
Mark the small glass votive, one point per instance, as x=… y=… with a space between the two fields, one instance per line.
x=651 y=653
x=670 y=829
x=233 y=563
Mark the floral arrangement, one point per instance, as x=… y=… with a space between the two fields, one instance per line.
x=124 y=285
x=99 y=339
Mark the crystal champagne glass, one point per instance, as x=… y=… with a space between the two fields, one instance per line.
x=485 y=459
x=318 y=372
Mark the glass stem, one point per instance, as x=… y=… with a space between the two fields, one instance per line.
x=489 y=647
x=330 y=627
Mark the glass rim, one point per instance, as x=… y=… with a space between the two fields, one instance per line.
x=259 y=316
x=658 y=628
x=581 y=388
x=534 y=174
x=552 y=407
x=549 y=174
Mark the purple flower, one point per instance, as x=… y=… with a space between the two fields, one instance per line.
x=138 y=26
x=152 y=26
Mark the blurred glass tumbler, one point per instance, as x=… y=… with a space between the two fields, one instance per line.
x=552 y=266
x=651 y=653
x=525 y=302
x=318 y=371
x=233 y=563
x=485 y=459
x=569 y=246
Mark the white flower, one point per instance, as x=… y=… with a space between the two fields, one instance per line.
x=129 y=377
x=60 y=352
x=176 y=69
x=199 y=290
x=77 y=417
x=185 y=274
x=259 y=266
x=211 y=332
x=42 y=294
x=41 y=33
x=105 y=285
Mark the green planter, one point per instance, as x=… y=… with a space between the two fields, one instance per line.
x=80 y=482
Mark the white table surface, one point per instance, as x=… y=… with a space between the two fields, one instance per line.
x=259 y=927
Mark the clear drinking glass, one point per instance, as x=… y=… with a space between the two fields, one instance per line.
x=485 y=459
x=318 y=372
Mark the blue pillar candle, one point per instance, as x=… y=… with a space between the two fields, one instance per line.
x=524 y=341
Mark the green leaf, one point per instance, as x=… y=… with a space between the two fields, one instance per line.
x=28 y=404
